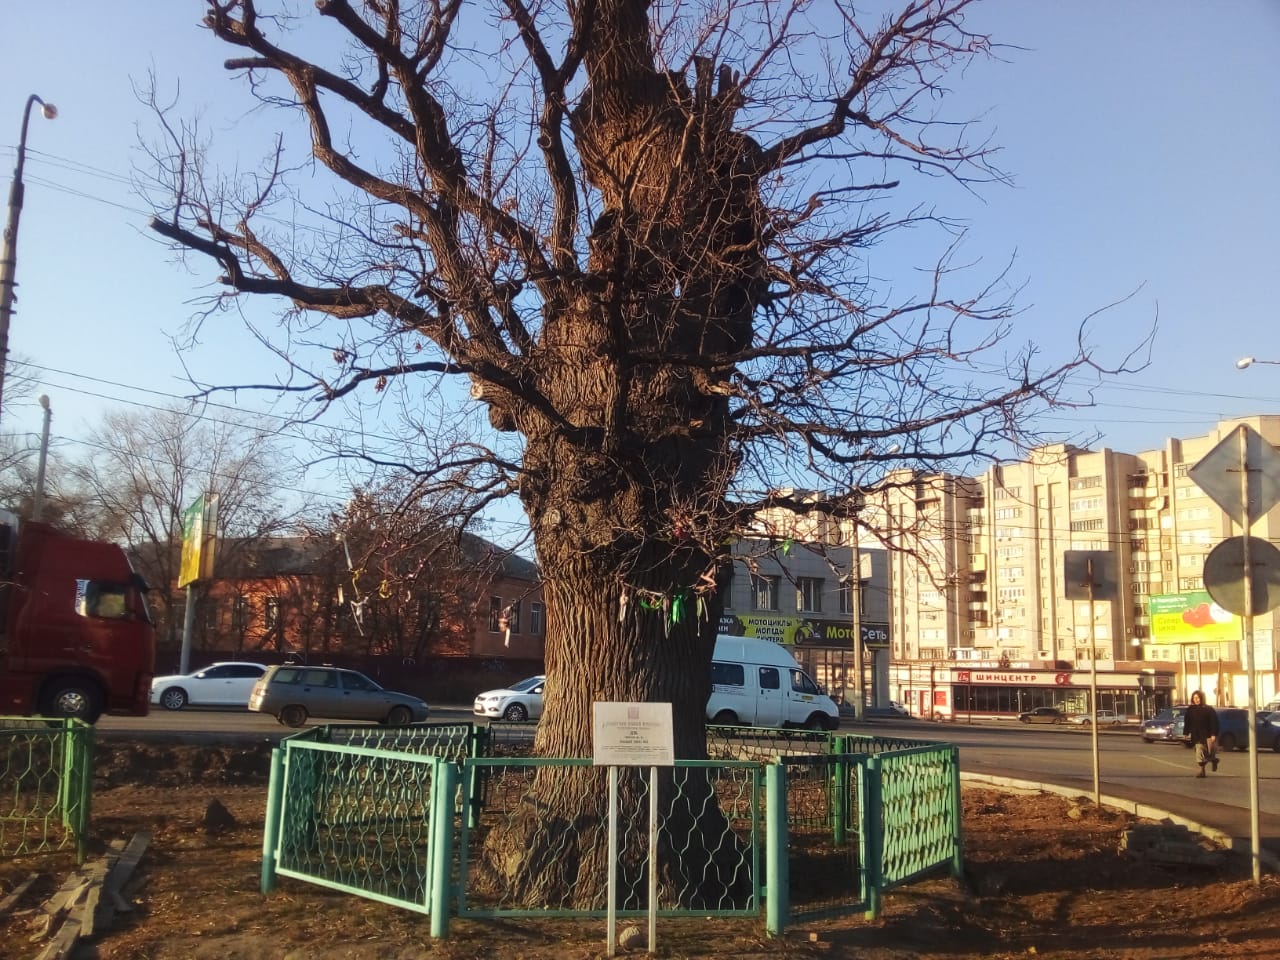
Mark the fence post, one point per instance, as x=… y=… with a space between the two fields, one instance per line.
x=873 y=832
x=271 y=829
x=839 y=804
x=84 y=738
x=74 y=749
x=445 y=781
x=777 y=881
x=957 y=815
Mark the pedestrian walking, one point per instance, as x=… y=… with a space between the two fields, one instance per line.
x=1201 y=727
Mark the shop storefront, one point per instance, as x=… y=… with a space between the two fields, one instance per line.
x=950 y=692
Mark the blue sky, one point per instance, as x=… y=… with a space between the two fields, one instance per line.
x=1143 y=136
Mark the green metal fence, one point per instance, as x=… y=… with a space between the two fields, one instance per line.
x=917 y=795
x=862 y=823
x=792 y=824
x=46 y=785
x=709 y=828
x=359 y=819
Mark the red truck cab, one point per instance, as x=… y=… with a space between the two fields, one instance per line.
x=77 y=640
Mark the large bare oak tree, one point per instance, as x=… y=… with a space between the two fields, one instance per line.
x=637 y=234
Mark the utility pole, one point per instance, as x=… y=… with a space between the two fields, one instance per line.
x=9 y=253
x=855 y=608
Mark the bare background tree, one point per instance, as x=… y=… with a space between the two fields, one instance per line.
x=145 y=467
x=637 y=234
x=408 y=582
x=20 y=453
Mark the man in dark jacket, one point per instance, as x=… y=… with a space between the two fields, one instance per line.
x=1201 y=727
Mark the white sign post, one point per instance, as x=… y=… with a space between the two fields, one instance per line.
x=1242 y=476
x=632 y=735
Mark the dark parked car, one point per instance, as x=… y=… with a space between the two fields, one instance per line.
x=1268 y=726
x=293 y=693
x=1233 y=729
x=1043 y=715
x=1160 y=727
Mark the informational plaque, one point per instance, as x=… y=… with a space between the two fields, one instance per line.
x=632 y=735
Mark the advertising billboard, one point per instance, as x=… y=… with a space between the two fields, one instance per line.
x=199 y=540
x=1191 y=617
x=803 y=631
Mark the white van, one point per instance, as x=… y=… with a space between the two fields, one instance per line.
x=758 y=683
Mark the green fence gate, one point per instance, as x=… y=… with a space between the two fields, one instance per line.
x=46 y=785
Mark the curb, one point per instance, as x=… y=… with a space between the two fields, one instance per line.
x=1143 y=810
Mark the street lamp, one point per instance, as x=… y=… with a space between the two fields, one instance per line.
x=1245 y=362
x=9 y=256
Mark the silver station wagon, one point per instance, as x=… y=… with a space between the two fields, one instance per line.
x=293 y=693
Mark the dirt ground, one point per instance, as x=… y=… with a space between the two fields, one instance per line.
x=1045 y=877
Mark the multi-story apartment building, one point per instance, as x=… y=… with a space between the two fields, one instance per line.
x=978 y=579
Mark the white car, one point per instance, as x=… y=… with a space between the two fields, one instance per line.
x=520 y=701
x=226 y=684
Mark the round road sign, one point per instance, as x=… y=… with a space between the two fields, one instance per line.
x=1224 y=575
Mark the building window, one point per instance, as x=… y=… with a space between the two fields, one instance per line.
x=495 y=614
x=846 y=597
x=271 y=613
x=725 y=588
x=809 y=594
x=764 y=590
x=537 y=619
x=1195 y=513
x=211 y=614
x=1086 y=483
x=512 y=612
x=239 y=613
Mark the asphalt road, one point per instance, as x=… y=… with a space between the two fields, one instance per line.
x=1159 y=774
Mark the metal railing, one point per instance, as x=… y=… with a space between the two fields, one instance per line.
x=46 y=785
x=791 y=824
x=358 y=819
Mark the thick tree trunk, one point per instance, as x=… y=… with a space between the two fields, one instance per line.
x=554 y=850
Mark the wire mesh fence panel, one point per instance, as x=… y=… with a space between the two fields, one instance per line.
x=357 y=819
x=764 y=743
x=504 y=738
x=873 y=744
x=920 y=826
x=518 y=858
x=860 y=823
x=452 y=740
x=46 y=782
